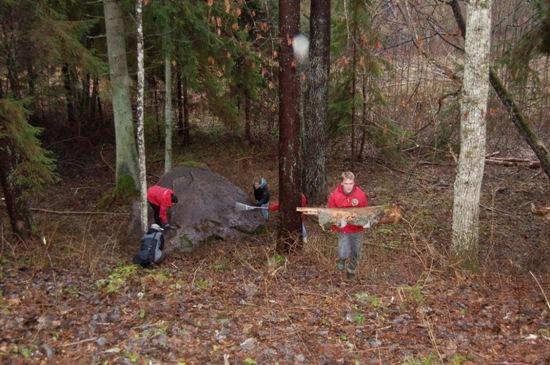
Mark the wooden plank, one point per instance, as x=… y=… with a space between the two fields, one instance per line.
x=366 y=217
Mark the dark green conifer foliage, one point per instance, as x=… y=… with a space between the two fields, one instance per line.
x=24 y=165
x=354 y=74
x=211 y=48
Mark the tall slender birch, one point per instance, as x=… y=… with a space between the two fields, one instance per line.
x=167 y=100
x=139 y=112
x=473 y=108
x=126 y=151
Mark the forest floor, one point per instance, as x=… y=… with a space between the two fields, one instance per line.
x=75 y=298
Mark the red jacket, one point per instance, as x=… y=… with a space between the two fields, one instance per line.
x=356 y=199
x=161 y=197
x=275 y=206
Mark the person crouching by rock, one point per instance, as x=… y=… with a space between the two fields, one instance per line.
x=161 y=199
x=261 y=194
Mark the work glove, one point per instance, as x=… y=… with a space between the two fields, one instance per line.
x=166 y=227
x=324 y=220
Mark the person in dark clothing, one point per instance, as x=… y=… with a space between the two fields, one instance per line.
x=261 y=194
x=161 y=199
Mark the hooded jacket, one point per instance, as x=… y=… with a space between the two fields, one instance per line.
x=162 y=198
x=261 y=194
x=356 y=199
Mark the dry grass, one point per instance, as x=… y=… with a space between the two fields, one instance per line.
x=512 y=238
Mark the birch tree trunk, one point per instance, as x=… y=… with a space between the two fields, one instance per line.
x=524 y=126
x=314 y=179
x=473 y=108
x=126 y=152
x=140 y=116
x=167 y=104
x=289 y=127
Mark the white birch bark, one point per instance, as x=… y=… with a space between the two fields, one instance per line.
x=167 y=105
x=140 y=116
x=126 y=151
x=473 y=107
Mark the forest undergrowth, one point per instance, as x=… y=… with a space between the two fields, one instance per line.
x=74 y=297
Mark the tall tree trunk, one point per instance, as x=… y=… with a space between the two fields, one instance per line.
x=69 y=96
x=473 y=108
x=93 y=101
x=157 y=112
x=139 y=111
x=363 y=118
x=100 y=111
x=353 y=81
x=31 y=79
x=86 y=101
x=13 y=73
x=247 y=132
x=167 y=103
x=16 y=204
x=126 y=151
x=186 y=126
x=289 y=127
x=316 y=105
x=179 y=98
x=523 y=125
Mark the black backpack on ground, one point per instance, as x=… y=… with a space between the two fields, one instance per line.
x=151 y=247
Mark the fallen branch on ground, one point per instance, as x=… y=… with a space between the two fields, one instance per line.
x=512 y=161
x=68 y=212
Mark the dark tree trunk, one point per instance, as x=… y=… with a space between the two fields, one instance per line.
x=247 y=132
x=13 y=76
x=363 y=119
x=69 y=96
x=86 y=100
x=523 y=125
x=100 y=110
x=314 y=180
x=31 y=79
x=289 y=128
x=93 y=101
x=186 y=136
x=157 y=113
x=353 y=83
x=179 y=98
x=16 y=204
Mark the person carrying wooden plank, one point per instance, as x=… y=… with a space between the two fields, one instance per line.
x=350 y=237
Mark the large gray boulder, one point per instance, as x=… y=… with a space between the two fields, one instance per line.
x=206 y=209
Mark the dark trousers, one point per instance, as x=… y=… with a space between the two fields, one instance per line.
x=156 y=214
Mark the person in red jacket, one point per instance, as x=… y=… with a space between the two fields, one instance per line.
x=350 y=237
x=161 y=199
